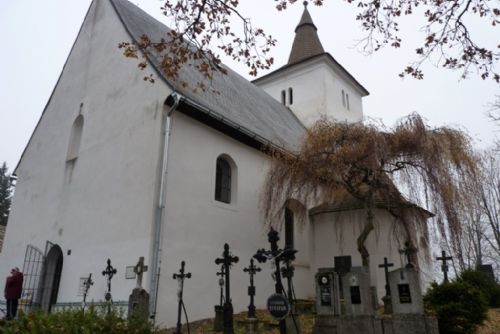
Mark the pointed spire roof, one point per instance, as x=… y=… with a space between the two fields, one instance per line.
x=306 y=43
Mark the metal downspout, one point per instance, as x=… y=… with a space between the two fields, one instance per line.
x=157 y=239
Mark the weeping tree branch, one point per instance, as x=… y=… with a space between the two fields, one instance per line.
x=338 y=161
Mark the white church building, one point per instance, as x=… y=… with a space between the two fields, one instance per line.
x=120 y=168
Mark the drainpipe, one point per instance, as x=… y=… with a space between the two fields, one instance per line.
x=173 y=101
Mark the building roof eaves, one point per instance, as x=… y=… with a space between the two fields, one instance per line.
x=238 y=101
x=329 y=57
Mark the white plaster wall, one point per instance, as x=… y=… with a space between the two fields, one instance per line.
x=102 y=206
x=335 y=234
x=317 y=92
x=196 y=226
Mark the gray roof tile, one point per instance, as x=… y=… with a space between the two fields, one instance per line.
x=237 y=100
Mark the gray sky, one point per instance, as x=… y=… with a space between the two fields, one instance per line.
x=37 y=37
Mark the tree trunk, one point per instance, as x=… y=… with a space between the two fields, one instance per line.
x=365 y=255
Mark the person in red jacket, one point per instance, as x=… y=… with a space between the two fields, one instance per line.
x=13 y=289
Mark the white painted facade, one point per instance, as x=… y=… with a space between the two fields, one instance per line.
x=100 y=205
x=320 y=90
x=103 y=203
x=335 y=232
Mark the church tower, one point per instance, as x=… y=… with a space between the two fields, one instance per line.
x=313 y=84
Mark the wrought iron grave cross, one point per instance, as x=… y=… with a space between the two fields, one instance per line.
x=444 y=266
x=86 y=286
x=221 y=273
x=109 y=272
x=180 y=278
x=226 y=261
x=251 y=270
x=139 y=269
x=409 y=251
x=277 y=255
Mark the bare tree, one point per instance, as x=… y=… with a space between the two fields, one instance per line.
x=365 y=162
x=202 y=26
x=490 y=203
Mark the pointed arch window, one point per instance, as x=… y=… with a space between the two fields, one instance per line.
x=283 y=97
x=347 y=101
x=343 y=98
x=290 y=96
x=223 y=180
x=75 y=139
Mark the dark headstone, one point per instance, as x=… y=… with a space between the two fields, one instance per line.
x=355 y=295
x=404 y=293
x=487 y=269
x=342 y=264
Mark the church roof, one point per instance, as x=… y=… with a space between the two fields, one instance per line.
x=306 y=43
x=307 y=48
x=237 y=103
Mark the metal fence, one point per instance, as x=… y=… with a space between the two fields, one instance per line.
x=120 y=307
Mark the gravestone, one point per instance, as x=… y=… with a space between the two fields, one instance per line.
x=327 y=301
x=487 y=269
x=406 y=293
x=138 y=302
x=327 y=294
x=356 y=292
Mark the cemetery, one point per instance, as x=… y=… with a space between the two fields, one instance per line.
x=239 y=207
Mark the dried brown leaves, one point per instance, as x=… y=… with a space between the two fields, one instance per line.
x=339 y=160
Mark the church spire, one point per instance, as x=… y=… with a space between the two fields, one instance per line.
x=306 y=43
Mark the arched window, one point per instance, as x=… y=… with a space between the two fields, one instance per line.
x=223 y=181
x=343 y=98
x=290 y=96
x=347 y=101
x=289 y=230
x=283 y=97
x=75 y=139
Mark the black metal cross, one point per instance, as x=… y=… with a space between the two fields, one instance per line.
x=221 y=273
x=226 y=261
x=408 y=251
x=109 y=272
x=386 y=266
x=180 y=278
x=444 y=267
x=86 y=286
x=277 y=255
x=251 y=270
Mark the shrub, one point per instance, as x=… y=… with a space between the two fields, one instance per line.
x=76 y=322
x=459 y=306
x=480 y=280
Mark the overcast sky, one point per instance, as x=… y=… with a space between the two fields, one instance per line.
x=37 y=37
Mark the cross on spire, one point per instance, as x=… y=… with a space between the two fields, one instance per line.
x=444 y=266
